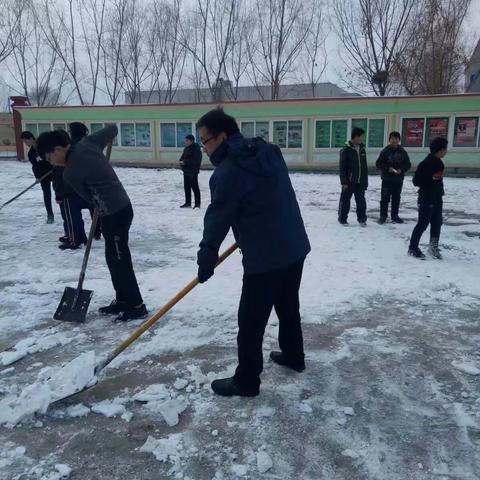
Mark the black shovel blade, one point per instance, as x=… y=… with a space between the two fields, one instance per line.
x=71 y=308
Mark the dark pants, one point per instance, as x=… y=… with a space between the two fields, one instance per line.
x=46 y=185
x=190 y=182
x=115 y=229
x=73 y=205
x=344 y=206
x=261 y=292
x=393 y=190
x=428 y=213
x=66 y=229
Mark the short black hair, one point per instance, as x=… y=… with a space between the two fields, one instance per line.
x=394 y=135
x=190 y=137
x=357 y=132
x=438 y=144
x=78 y=130
x=26 y=135
x=47 y=141
x=217 y=121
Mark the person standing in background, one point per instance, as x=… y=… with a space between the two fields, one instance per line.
x=190 y=162
x=393 y=162
x=40 y=167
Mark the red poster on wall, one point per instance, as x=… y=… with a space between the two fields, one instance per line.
x=465 y=132
x=413 y=136
x=437 y=127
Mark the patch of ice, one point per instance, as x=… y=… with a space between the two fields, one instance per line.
x=264 y=461
x=169 y=409
x=9 y=454
x=109 y=408
x=240 y=470
x=152 y=393
x=197 y=375
x=349 y=411
x=180 y=383
x=62 y=471
x=305 y=407
x=466 y=368
x=76 y=411
x=127 y=416
x=350 y=453
x=462 y=417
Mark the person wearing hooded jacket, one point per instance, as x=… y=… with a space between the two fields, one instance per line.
x=393 y=162
x=353 y=177
x=251 y=193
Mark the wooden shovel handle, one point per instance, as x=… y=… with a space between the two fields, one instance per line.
x=159 y=314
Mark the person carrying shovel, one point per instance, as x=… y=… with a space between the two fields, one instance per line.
x=90 y=174
x=251 y=193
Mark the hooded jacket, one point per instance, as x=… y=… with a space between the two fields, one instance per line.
x=396 y=158
x=353 y=165
x=251 y=193
x=39 y=166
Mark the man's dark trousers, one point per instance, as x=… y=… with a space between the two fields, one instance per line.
x=190 y=182
x=428 y=213
x=393 y=190
x=260 y=293
x=46 y=185
x=115 y=230
x=73 y=213
x=358 y=191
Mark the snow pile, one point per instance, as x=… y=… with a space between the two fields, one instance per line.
x=61 y=472
x=50 y=386
x=167 y=449
x=30 y=345
x=9 y=456
x=466 y=368
x=264 y=462
x=109 y=408
x=160 y=400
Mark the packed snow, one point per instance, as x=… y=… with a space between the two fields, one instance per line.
x=391 y=387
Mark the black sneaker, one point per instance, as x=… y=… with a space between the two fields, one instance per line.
x=279 y=358
x=97 y=236
x=69 y=246
x=417 y=253
x=197 y=205
x=397 y=220
x=382 y=220
x=114 y=308
x=363 y=223
x=132 y=313
x=227 y=387
x=434 y=251
x=63 y=239
x=50 y=219
x=185 y=205
x=343 y=222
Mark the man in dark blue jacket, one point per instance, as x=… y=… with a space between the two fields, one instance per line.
x=190 y=162
x=251 y=193
x=353 y=177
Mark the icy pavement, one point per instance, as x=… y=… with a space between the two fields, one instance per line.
x=391 y=390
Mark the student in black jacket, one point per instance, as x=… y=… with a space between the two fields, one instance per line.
x=353 y=177
x=429 y=179
x=393 y=162
x=190 y=162
x=40 y=167
x=252 y=194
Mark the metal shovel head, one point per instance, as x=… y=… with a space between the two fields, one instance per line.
x=71 y=308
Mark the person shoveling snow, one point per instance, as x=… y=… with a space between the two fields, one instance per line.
x=36 y=398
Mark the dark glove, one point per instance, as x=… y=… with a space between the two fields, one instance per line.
x=204 y=273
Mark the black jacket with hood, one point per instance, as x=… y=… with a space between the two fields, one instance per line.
x=192 y=159
x=252 y=194
x=353 y=165
x=396 y=158
x=429 y=178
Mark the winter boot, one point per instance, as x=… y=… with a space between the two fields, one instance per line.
x=417 y=253
x=197 y=205
x=280 y=359
x=186 y=205
x=433 y=249
x=64 y=239
x=382 y=220
x=397 y=220
x=69 y=246
x=132 y=313
x=114 y=308
x=228 y=387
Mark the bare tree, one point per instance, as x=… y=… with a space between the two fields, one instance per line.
x=281 y=29
x=370 y=31
x=209 y=39
x=435 y=53
x=8 y=25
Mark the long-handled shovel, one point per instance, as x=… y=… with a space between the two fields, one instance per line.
x=37 y=181
x=148 y=324
x=74 y=304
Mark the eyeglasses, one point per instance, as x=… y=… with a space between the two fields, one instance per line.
x=204 y=142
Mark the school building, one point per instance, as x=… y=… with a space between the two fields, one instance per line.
x=310 y=132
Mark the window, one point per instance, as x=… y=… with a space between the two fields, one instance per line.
x=436 y=127
x=95 y=127
x=412 y=132
x=43 y=127
x=32 y=128
x=465 y=134
x=322 y=133
x=172 y=135
x=59 y=126
x=142 y=134
x=376 y=133
x=262 y=130
x=127 y=134
x=248 y=129
x=360 y=123
x=339 y=133
x=288 y=134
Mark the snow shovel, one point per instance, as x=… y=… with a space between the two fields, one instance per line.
x=27 y=189
x=74 y=304
x=145 y=326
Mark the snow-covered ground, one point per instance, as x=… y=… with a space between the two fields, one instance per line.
x=391 y=389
